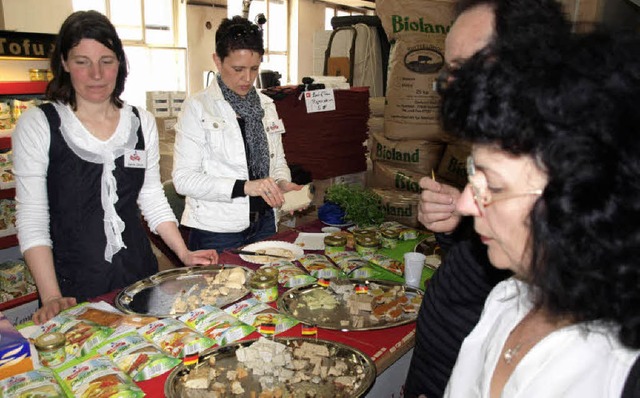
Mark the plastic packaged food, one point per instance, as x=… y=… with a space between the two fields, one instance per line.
x=137 y=357
x=216 y=324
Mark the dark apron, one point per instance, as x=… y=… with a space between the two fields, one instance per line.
x=77 y=225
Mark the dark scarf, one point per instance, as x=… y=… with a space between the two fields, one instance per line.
x=249 y=109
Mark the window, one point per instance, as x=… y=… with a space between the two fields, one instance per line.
x=276 y=32
x=147 y=30
x=337 y=11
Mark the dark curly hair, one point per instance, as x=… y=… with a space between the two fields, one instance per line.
x=238 y=33
x=578 y=116
x=522 y=23
x=84 y=25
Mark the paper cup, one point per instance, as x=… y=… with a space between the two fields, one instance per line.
x=413 y=265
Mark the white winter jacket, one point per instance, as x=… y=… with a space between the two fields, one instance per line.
x=209 y=157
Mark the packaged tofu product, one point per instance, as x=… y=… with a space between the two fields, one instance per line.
x=97 y=377
x=216 y=324
x=15 y=355
x=137 y=357
x=290 y=275
x=39 y=383
x=404 y=232
x=264 y=318
x=319 y=266
x=13 y=277
x=175 y=337
x=82 y=336
x=352 y=264
x=388 y=263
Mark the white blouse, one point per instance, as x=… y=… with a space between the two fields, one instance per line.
x=581 y=361
x=31 y=141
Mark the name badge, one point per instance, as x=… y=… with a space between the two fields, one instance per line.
x=135 y=158
x=275 y=126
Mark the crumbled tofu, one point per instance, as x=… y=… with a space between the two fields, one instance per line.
x=201 y=383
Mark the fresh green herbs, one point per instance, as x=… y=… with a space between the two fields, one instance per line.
x=362 y=206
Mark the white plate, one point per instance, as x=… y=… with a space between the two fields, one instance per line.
x=268 y=244
x=310 y=241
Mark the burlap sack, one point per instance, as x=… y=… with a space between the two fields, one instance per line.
x=389 y=176
x=417 y=30
x=400 y=206
x=453 y=166
x=376 y=125
x=376 y=106
x=417 y=155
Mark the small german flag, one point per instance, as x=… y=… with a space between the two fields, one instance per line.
x=362 y=289
x=267 y=328
x=323 y=282
x=190 y=359
x=309 y=330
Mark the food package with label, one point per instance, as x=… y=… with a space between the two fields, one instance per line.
x=175 y=337
x=82 y=336
x=296 y=200
x=13 y=277
x=319 y=266
x=15 y=354
x=7 y=214
x=216 y=324
x=388 y=263
x=97 y=377
x=352 y=264
x=137 y=357
x=36 y=383
x=290 y=275
x=261 y=316
x=404 y=232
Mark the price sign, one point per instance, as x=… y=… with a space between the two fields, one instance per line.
x=320 y=100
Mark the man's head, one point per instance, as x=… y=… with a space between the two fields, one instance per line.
x=472 y=30
x=514 y=23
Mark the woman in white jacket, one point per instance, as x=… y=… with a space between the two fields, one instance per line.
x=228 y=159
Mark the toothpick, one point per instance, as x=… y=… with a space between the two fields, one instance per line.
x=433 y=175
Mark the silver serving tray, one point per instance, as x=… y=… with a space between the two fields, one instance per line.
x=155 y=295
x=225 y=359
x=289 y=303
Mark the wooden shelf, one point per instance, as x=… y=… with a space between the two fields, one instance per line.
x=26 y=87
x=18 y=301
x=8 y=241
x=8 y=193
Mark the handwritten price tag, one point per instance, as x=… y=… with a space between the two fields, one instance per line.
x=320 y=101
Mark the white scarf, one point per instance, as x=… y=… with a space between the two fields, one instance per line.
x=90 y=149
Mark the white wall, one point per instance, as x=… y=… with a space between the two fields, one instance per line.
x=201 y=42
x=310 y=20
x=38 y=16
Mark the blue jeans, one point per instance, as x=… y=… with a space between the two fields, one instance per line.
x=260 y=229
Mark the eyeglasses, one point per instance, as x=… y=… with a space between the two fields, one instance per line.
x=481 y=193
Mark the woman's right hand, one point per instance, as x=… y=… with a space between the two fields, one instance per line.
x=267 y=188
x=437 y=207
x=51 y=308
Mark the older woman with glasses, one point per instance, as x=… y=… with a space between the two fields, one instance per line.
x=554 y=182
x=229 y=160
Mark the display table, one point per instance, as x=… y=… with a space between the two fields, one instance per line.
x=384 y=346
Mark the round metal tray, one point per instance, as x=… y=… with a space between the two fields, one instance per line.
x=333 y=318
x=155 y=295
x=225 y=359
